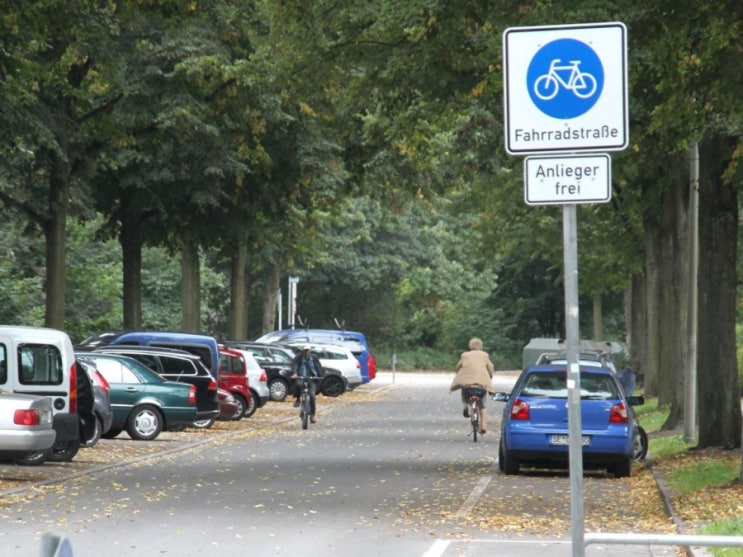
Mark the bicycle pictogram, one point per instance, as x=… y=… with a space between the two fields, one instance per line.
x=565 y=78
x=582 y=84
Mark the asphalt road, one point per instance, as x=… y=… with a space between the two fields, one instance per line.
x=388 y=471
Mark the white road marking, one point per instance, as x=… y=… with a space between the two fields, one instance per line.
x=437 y=549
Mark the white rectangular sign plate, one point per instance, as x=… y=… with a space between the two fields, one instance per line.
x=563 y=179
x=565 y=88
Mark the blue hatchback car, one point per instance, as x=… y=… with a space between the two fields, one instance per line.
x=534 y=429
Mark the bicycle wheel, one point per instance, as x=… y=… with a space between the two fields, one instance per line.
x=546 y=87
x=475 y=420
x=305 y=410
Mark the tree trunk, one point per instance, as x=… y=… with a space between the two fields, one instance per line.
x=717 y=369
x=190 y=287
x=598 y=326
x=270 y=296
x=651 y=363
x=131 y=250
x=55 y=235
x=238 y=328
x=674 y=281
x=636 y=319
x=665 y=291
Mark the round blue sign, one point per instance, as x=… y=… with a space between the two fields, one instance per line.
x=565 y=78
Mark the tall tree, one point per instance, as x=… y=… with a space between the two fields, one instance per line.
x=58 y=71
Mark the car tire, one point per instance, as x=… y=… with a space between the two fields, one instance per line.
x=249 y=408
x=34 y=459
x=145 y=423
x=111 y=433
x=204 y=424
x=279 y=389
x=97 y=433
x=64 y=451
x=507 y=462
x=332 y=386
x=640 y=445
x=622 y=469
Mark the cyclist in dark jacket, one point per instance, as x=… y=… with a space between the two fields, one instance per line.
x=306 y=364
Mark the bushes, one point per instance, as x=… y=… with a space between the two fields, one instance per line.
x=422 y=358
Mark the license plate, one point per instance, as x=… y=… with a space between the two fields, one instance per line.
x=564 y=440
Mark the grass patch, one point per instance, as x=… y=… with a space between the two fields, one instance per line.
x=732 y=527
x=700 y=474
x=664 y=447
x=651 y=417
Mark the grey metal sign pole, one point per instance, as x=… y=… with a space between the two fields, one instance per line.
x=570 y=255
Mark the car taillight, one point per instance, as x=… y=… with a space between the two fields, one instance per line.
x=264 y=377
x=105 y=385
x=372 y=364
x=213 y=385
x=192 y=394
x=100 y=381
x=618 y=414
x=519 y=410
x=73 y=388
x=26 y=417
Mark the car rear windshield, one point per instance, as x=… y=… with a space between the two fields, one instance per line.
x=553 y=385
x=40 y=364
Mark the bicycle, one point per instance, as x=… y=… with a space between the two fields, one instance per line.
x=474 y=393
x=306 y=406
x=582 y=84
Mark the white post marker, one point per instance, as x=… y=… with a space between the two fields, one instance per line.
x=561 y=179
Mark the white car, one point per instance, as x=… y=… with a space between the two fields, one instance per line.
x=340 y=358
x=26 y=432
x=257 y=378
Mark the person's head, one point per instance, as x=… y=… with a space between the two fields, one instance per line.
x=475 y=344
x=306 y=349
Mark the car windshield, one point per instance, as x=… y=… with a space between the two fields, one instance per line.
x=553 y=385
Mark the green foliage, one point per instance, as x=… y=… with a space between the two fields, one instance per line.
x=422 y=358
x=21 y=295
x=94 y=301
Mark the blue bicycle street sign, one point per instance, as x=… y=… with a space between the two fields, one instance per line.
x=565 y=78
x=565 y=88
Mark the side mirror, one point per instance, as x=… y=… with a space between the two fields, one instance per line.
x=636 y=400
x=501 y=397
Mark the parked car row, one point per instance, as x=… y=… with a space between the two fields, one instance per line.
x=56 y=398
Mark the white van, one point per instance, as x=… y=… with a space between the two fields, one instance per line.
x=41 y=361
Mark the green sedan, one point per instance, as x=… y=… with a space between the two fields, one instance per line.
x=143 y=403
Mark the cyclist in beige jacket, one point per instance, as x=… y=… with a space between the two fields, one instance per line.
x=474 y=368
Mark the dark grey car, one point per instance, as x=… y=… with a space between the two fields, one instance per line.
x=102 y=403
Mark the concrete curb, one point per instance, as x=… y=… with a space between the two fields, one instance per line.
x=667 y=494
